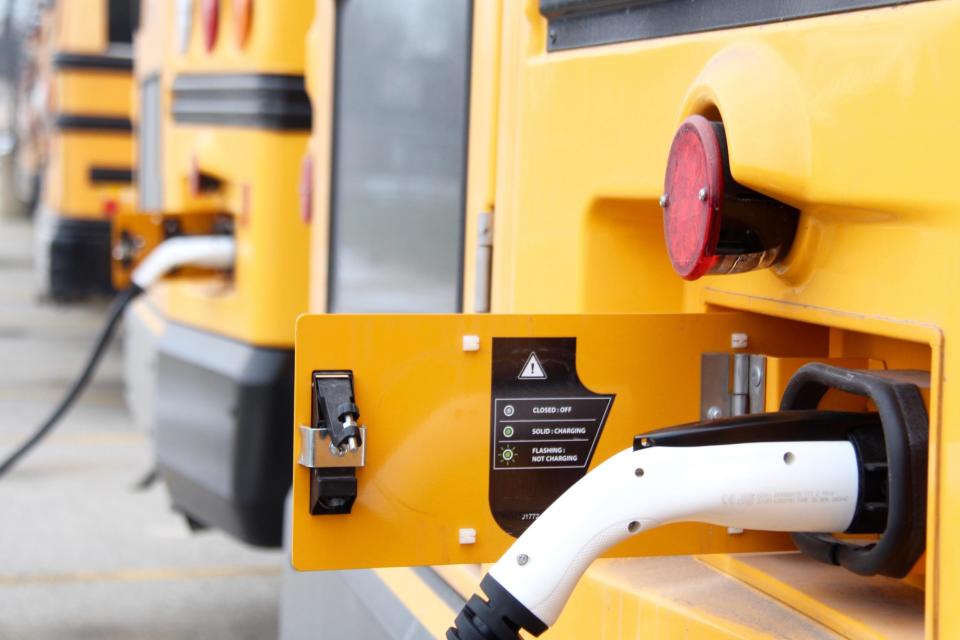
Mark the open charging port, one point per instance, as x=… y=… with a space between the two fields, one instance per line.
x=894 y=483
x=801 y=470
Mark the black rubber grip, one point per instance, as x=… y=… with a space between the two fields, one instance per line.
x=499 y=618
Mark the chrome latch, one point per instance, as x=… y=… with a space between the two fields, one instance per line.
x=317 y=451
x=333 y=446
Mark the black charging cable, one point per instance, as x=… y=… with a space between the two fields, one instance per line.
x=114 y=315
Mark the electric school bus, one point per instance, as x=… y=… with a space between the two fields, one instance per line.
x=224 y=121
x=87 y=75
x=704 y=259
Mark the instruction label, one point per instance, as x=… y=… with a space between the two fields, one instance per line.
x=545 y=425
x=537 y=433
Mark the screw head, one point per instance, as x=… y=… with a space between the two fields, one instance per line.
x=337 y=451
x=702 y=194
x=713 y=413
x=523 y=559
x=664 y=200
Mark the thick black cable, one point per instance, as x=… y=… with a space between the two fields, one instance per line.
x=114 y=315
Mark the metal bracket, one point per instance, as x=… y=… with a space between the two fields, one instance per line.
x=723 y=395
x=481 y=303
x=317 y=452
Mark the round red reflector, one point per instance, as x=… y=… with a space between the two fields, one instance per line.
x=692 y=193
x=210 y=17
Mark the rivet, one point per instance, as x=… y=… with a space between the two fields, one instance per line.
x=702 y=194
x=523 y=559
x=663 y=201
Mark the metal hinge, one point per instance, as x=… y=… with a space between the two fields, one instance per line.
x=732 y=391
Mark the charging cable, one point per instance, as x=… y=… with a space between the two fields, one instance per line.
x=215 y=252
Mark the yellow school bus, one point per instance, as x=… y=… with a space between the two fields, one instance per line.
x=86 y=66
x=670 y=211
x=223 y=124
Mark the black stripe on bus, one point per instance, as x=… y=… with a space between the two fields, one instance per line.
x=121 y=175
x=584 y=23
x=70 y=122
x=64 y=61
x=259 y=101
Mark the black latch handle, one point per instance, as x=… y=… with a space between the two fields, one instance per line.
x=335 y=409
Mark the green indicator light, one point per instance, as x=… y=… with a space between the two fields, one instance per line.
x=507 y=454
x=508 y=432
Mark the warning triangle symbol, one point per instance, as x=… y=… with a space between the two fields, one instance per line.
x=532 y=369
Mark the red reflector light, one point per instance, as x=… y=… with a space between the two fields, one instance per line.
x=692 y=193
x=110 y=208
x=712 y=223
x=210 y=18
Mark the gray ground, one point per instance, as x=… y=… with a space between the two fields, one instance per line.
x=83 y=554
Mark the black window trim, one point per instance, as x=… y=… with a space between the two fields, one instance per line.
x=583 y=23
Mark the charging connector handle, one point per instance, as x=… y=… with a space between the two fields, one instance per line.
x=775 y=486
x=214 y=252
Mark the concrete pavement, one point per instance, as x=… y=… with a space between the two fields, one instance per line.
x=82 y=553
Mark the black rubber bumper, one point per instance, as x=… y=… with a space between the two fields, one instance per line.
x=79 y=259
x=224 y=419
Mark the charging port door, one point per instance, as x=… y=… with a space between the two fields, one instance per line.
x=133 y=235
x=452 y=433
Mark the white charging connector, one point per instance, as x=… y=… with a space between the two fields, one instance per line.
x=774 y=486
x=809 y=486
x=214 y=252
